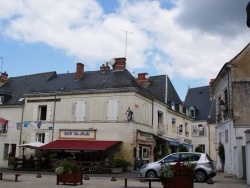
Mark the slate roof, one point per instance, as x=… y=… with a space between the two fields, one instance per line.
x=200 y=97
x=162 y=88
x=51 y=82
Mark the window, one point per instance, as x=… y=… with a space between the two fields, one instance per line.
x=190 y=157
x=3 y=126
x=226 y=135
x=40 y=137
x=199 y=130
x=160 y=117
x=1 y=99
x=9 y=150
x=180 y=129
x=202 y=148
x=192 y=112
x=42 y=113
x=171 y=158
x=112 y=109
x=145 y=153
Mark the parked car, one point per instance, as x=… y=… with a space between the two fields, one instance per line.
x=204 y=165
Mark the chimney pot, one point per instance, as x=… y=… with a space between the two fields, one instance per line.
x=143 y=79
x=3 y=78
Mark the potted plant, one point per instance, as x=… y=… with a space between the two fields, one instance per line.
x=178 y=175
x=12 y=163
x=117 y=164
x=68 y=171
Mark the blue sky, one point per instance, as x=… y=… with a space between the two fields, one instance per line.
x=187 y=40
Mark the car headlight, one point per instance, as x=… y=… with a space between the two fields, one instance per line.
x=144 y=166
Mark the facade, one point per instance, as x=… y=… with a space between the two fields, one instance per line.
x=87 y=113
x=201 y=107
x=231 y=92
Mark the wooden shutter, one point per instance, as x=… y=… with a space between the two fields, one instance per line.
x=46 y=139
x=35 y=112
x=48 y=115
x=112 y=113
x=33 y=137
x=80 y=111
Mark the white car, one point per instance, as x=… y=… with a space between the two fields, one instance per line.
x=204 y=165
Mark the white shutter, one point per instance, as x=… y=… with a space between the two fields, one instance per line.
x=48 y=115
x=46 y=139
x=35 y=112
x=80 y=111
x=112 y=113
x=33 y=137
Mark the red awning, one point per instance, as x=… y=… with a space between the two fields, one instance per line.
x=79 y=145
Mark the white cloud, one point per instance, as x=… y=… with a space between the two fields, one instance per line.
x=189 y=40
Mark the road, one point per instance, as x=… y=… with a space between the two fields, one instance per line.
x=29 y=179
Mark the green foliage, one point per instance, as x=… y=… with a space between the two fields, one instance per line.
x=198 y=149
x=221 y=153
x=53 y=155
x=179 y=169
x=66 y=165
x=12 y=161
x=183 y=149
x=118 y=162
x=39 y=154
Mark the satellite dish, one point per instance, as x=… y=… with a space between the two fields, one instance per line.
x=147 y=76
x=112 y=62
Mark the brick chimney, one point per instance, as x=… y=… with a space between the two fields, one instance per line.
x=104 y=67
x=120 y=64
x=211 y=87
x=3 y=78
x=143 y=79
x=79 y=70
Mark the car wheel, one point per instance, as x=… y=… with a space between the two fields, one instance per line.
x=151 y=174
x=200 y=176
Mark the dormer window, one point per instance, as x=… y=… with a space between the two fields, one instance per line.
x=1 y=99
x=193 y=111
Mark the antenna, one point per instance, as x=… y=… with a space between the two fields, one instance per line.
x=126 y=40
x=2 y=65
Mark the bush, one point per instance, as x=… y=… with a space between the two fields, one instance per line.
x=183 y=149
x=198 y=149
x=118 y=162
x=66 y=165
x=221 y=153
x=12 y=161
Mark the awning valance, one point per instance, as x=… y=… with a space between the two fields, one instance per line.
x=79 y=145
x=169 y=140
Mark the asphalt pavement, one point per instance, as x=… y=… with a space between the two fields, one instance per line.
x=43 y=179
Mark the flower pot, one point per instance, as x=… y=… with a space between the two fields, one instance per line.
x=116 y=170
x=66 y=177
x=178 y=181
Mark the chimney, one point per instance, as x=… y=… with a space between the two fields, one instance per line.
x=211 y=87
x=143 y=79
x=3 y=78
x=79 y=70
x=120 y=64
x=104 y=67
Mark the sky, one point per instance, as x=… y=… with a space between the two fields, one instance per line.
x=188 y=40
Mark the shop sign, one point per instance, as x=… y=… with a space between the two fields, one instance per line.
x=77 y=134
x=145 y=136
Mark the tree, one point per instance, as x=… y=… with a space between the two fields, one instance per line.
x=198 y=149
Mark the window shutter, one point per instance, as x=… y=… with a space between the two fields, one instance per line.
x=48 y=115
x=80 y=111
x=112 y=113
x=35 y=112
x=33 y=137
x=46 y=139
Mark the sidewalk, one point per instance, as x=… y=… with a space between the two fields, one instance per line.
x=30 y=180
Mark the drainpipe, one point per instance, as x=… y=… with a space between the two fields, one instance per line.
x=21 y=131
x=53 y=123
